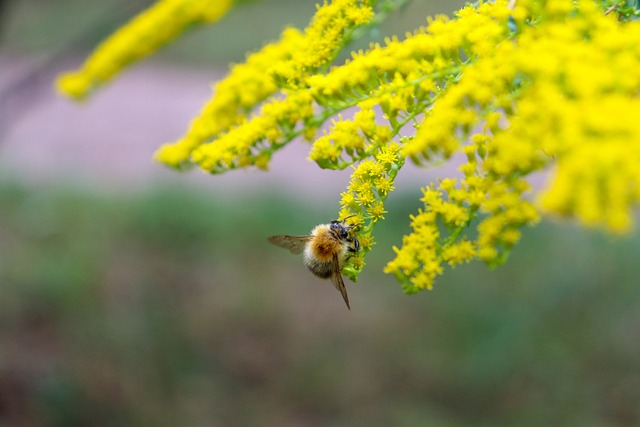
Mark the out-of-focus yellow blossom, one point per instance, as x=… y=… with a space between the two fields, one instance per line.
x=458 y=253
x=141 y=37
x=582 y=101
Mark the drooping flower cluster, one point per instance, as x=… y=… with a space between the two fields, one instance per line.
x=504 y=88
x=439 y=229
x=363 y=201
x=557 y=94
x=254 y=141
x=281 y=66
x=246 y=86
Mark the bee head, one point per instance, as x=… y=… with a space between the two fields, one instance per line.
x=341 y=228
x=343 y=231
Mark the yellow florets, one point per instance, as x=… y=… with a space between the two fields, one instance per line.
x=245 y=87
x=326 y=34
x=277 y=66
x=371 y=182
x=253 y=142
x=507 y=89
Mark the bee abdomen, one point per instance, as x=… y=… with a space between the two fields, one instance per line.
x=321 y=269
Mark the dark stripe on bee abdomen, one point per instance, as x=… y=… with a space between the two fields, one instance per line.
x=323 y=270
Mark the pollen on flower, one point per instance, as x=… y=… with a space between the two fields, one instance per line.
x=377 y=211
x=388 y=155
x=384 y=185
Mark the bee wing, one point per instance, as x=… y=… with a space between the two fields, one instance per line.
x=295 y=244
x=338 y=282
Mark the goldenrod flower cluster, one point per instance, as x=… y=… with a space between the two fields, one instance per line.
x=363 y=201
x=438 y=236
x=281 y=66
x=558 y=93
x=246 y=86
x=330 y=29
x=503 y=90
x=141 y=37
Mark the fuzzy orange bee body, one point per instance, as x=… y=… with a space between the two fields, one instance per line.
x=325 y=251
x=323 y=246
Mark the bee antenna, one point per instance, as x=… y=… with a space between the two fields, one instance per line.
x=351 y=216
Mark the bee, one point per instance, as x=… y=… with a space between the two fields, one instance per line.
x=325 y=251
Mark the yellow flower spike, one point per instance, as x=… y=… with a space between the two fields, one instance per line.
x=376 y=211
x=244 y=87
x=75 y=85
x=322 y=39
x=416 y=263
x=252 y=82
x=142 y=36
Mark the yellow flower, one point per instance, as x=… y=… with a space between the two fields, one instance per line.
x=137 y=40
x=325 y=35
x=458 y=253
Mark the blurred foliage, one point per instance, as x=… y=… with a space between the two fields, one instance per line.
x=169 y=308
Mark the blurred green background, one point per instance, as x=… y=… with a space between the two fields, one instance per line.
x=164 y=305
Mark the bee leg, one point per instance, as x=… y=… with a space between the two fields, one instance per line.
x=356 y=245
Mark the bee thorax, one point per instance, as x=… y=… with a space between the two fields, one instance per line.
x=324 y=244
